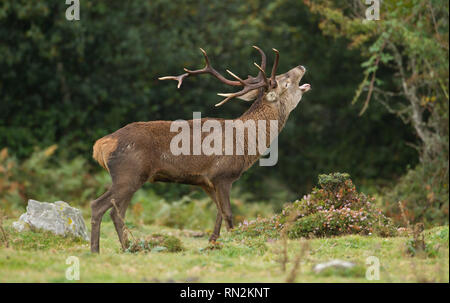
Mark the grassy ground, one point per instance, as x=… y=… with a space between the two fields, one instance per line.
x=41 y=257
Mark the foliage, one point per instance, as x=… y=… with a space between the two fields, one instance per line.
x=70 y=83
x=156 y=243
x=4 y=238
x=422 y=243
x=235 y=262
x=336 y=208
x=183 y=213
x=411 y=39
x=40 y=178
x=423 y=191
x=332 y=182
x=190 y=211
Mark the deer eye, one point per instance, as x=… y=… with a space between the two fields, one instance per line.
x=287 y=84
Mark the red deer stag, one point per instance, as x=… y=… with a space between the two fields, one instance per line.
x=141 y=151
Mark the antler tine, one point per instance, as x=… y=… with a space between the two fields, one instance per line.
x=263 y=74
x=179 y=78
x=273 y=81
x=224 y=100
x=242 y=92
x=206 y=69
x=233 y=95
x=263 y=57
x=206 y=56
x=236 y=77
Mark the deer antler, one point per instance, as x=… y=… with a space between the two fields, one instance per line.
x=273 y=81
x=249 y=84
x=208 y=69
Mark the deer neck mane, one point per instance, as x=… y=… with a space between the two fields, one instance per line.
x=264 y=111
x=261 y=110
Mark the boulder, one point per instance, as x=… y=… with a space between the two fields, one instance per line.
x=58 y=217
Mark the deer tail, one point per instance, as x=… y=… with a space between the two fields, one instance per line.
x=102 y=150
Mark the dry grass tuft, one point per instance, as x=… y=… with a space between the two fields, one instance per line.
x=4 y=235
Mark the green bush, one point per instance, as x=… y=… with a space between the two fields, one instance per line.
x=46 y=178
x=183 y=213
x=193 y=211
x=156 y=243
x=334 y=209
x=423 y=192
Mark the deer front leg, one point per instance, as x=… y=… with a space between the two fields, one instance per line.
x=212 y=194
x=216 y=233
x=223 y=197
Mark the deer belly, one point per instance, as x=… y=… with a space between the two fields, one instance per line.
x=189 y=179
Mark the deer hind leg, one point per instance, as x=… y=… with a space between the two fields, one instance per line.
x=216 y=233
x=125 y=184
x=118 y=198
x=127 y=177
x=117 y=214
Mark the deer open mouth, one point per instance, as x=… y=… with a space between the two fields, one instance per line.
x=305 y=87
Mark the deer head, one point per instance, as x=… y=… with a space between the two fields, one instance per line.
x=282 y=91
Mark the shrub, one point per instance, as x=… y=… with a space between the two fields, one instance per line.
x=156 y=243
x=423 y=191
x=45 y=178
x=336 y=208
x=191 y=211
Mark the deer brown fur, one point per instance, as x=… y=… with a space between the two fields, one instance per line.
x=140 y=151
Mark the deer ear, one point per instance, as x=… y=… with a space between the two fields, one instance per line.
x=250 y=96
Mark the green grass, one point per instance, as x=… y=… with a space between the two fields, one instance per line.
x=41 y=257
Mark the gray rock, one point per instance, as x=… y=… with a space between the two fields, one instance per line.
x=58 y=217
x=333 y=263
x=158 y=249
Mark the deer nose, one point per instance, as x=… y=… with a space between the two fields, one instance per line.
x=302 y=68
